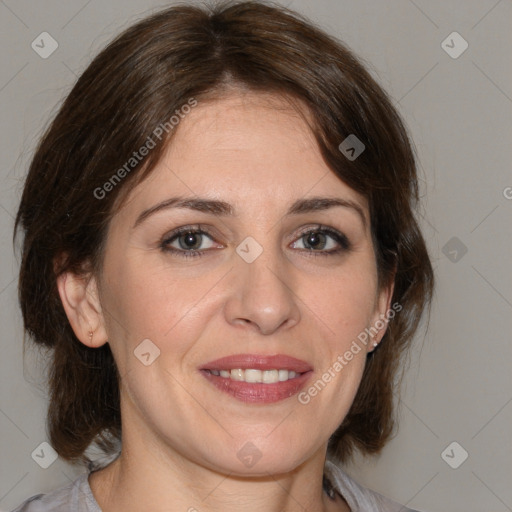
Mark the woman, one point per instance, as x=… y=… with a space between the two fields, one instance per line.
x=221 y=251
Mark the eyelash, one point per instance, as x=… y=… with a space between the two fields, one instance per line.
x=340 y=238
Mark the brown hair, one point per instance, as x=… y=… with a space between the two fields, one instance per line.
x=136 y=84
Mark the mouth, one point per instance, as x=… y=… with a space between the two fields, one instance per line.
x=254 y=375
x=256 y=378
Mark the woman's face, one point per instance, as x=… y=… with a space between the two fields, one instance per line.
x=256 y=278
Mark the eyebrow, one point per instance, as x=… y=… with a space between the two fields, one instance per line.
x=223 y=209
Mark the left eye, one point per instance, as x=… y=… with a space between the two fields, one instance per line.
x=320 y=240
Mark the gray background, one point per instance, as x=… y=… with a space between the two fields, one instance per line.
x=458 y=387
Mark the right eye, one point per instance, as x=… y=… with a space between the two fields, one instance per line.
x=187 y=242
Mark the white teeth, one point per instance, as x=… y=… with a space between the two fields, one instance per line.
x=237 y=374
x=270 y=376
x=253 y=375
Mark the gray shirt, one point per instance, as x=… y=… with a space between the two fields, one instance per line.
x=78 y=497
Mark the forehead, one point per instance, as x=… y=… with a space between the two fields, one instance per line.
x=247 y=149
x=247 y=131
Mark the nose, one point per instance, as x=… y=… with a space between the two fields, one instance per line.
x=261 y=295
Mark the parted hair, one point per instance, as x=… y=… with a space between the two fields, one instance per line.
x=136 y=84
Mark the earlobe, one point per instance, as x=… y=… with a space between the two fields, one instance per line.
x=80 y=299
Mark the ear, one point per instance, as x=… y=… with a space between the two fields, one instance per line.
x=382 y=314
x=80 y=299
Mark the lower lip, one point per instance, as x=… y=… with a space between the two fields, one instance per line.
x=249 y=392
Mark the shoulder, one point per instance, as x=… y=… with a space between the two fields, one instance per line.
x=359 y=498
x=76 y=496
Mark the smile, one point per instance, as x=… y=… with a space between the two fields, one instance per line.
x=255 y=375
x=258 y=378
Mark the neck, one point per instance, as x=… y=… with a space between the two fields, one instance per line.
x=131 y=483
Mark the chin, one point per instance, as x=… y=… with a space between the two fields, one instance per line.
x=256 y=460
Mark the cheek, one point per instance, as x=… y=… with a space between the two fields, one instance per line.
x=144 y=302
x=344 y=302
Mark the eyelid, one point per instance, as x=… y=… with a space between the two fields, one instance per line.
x=183 y=230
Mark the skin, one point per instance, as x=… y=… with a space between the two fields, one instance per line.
x=180 y=434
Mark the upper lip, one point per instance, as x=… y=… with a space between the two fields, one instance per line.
x=258 y=362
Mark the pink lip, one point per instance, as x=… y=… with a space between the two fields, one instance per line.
x=258 y=362
x=248 y=392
